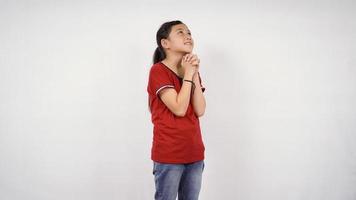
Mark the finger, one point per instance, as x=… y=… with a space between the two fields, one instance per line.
x=194 y=59
x=189 y=57
x=195 y=63
x=185 y=58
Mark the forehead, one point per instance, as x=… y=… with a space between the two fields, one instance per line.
x=180 y=27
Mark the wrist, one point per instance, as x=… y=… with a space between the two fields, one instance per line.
x=196 y=76
x=192 y=82
x=188 y=76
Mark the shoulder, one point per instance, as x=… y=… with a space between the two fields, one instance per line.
x=156 y=66
x=157 y=69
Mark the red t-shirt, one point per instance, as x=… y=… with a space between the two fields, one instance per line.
x=175 y=139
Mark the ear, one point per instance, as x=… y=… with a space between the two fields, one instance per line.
x=165 y=43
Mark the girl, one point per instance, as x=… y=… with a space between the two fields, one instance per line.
x=176 y=102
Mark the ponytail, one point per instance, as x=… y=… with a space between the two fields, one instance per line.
x=159 y=55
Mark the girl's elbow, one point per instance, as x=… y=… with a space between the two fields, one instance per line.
x=200 y=113
x=180 y=112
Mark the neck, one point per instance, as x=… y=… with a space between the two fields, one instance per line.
x=173 y=61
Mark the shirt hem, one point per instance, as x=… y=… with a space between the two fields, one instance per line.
x=178 y=161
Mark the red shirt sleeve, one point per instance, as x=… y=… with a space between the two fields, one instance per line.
x=159 y=80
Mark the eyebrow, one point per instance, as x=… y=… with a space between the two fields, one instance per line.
x=182 y=29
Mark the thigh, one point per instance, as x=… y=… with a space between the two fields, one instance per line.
x=167 y=178
x=191 y=181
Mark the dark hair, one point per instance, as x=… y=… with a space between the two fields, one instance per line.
x=163 y=33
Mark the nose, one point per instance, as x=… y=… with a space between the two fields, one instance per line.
x=188 y=37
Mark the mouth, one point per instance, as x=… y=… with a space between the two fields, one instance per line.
x=188 y=43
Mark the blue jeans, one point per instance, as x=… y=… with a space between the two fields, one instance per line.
x=182 y=179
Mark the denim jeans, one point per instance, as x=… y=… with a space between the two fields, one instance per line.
x=182 y=179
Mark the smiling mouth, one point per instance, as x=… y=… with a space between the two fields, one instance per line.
x=188 y=43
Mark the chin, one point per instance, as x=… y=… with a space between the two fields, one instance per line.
x=188 y=50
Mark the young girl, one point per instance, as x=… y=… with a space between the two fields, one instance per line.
x=176 y=102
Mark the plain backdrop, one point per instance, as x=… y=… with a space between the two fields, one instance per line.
x=280 y=80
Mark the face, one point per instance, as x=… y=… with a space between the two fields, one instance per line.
x=179 y=39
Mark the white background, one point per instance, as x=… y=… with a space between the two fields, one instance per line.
x=280 y=82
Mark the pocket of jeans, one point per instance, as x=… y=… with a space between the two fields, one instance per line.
x=154 y=168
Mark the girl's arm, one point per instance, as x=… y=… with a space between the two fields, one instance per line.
x=178 y=103
x=199 y=103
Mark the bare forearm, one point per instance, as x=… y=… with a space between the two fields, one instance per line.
x=198 y=100
x=183 y=97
